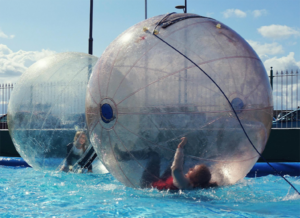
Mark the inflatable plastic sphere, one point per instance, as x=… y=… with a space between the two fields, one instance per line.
x=46 y=108
x=172 y=76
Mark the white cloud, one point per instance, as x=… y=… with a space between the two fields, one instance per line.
x=258 y=13
x=3 y=35
x=234 y=13
x=283 y=63
x=263 y=50
x=209 y=14
x=4 y=50
x=277 y=31
x=241 y=14
x=13 y=64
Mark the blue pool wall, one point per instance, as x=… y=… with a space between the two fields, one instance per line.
x=259 y=169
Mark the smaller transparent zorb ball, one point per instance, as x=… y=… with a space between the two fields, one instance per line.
x=46 y=109
x=173 y=76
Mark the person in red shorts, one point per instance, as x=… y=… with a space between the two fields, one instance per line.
x=173 y=179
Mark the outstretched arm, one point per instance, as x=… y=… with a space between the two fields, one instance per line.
x=179 y=179
x=183 y=142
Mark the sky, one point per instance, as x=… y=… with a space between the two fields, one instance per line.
x=33 y=29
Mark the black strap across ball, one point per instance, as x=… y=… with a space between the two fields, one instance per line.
x=238 y=103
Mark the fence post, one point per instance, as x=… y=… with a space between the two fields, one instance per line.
x=271 y=77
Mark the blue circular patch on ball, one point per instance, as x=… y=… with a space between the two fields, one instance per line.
x=237 y=104
x=106 y=113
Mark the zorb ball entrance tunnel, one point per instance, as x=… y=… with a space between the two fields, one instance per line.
x=46 y=108
x=179 y=75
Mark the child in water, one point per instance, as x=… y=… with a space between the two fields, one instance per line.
x=197 y=177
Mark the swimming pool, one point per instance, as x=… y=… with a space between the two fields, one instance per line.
x=29 y=193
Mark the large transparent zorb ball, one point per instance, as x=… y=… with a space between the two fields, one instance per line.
x=172 y=76
x=47 y=108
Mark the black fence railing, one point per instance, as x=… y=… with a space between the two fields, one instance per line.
x=286 y=98
x=69 y=100
x=285 y=85
x=5 y=92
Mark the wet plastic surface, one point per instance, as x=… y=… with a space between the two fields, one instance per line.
x=158 y=96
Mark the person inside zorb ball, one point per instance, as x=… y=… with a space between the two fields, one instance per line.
x=46 y=110
x=173 y=79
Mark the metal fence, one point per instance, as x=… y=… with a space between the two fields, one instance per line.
x=286 y=98
x=5 y=92
x=285 y=85
x=68 y=97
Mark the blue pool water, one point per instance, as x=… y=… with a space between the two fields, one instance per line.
x=29 y=193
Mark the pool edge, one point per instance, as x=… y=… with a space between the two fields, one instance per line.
x=258 y=170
